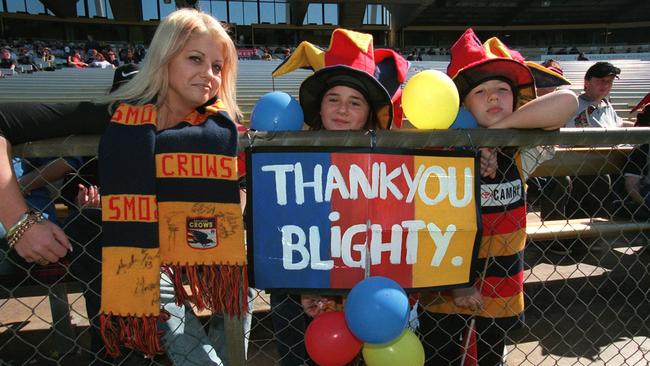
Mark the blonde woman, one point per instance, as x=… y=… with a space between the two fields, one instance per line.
x=181 y=103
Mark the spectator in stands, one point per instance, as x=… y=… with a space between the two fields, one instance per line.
x=584 y=196
x=595 y=110
x=100 y=62
x=91 y=55
x=75 y=60
x=25 y=59
x=582 y=57
x=192 y=62
x=500 y=93
x=611 y=50
x=47 y=57
x=140 y=53
x=110 y=57
x=6 y=62
x=637 y=171
x=129 y=56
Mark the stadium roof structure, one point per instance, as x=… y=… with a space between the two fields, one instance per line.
x=436 y=13
x=498 y=13
x=518 y=12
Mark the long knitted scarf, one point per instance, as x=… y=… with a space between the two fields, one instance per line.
x=170 y=199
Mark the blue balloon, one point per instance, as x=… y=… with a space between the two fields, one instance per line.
x=377 y=310
x=464 y=119
x=277 y=111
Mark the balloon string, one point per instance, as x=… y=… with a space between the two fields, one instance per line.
x=474 y=314
x=366 y=270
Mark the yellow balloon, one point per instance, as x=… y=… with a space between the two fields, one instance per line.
x=430 y=100
x=403 y=350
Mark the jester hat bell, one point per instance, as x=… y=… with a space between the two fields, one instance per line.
x=472 y=63
x=351 y=61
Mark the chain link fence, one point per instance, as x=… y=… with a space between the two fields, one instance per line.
x=585 y=266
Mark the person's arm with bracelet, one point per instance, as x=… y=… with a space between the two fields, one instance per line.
x=39 y=241
x=33 y=239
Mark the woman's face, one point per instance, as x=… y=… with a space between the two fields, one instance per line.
x=195 y=73
x=344 y=108
x=490 y=102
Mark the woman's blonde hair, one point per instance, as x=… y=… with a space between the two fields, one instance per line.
x=152 y=82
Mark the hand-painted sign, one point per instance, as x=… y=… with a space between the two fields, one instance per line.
x=318 y=219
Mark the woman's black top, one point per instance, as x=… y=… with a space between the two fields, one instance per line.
x=22 y=122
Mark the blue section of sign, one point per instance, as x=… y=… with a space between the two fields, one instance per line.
x=272 y=217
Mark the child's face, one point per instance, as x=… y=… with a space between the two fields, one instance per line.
x=490 y=102
x=344 y=108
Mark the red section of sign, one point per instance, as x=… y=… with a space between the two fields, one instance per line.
x=393 y=211
x=385 y=212
x=352 y=213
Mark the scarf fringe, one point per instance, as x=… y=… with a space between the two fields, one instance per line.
x=220 y=288
x=138 y=333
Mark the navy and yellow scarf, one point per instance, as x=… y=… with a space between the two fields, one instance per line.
x=170 y=199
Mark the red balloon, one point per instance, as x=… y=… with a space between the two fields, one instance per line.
x=329 y=341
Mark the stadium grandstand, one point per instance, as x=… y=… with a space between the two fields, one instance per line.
x=584 y=310
x=534 y=27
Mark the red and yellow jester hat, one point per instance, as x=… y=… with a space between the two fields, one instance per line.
x=355 y=50
x=545 y=77
x=472 y=63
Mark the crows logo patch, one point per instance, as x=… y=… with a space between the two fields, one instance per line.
x=202 y=232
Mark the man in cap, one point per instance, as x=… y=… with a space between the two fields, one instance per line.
x=594 y=108
x=585 y=196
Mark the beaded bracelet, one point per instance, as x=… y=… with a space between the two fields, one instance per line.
x=30 y=218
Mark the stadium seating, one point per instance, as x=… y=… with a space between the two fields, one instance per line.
x=255 y=79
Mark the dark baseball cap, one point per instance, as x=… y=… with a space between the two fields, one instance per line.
x=123 y=74
x=602 y=69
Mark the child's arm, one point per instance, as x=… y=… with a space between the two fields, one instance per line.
x=549 y=112
x=468 y=298
x=40 y=177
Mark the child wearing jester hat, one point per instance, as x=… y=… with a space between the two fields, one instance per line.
x=353 y=88
x=497 y=87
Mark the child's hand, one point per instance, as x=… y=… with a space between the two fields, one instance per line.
x=488 y=162
x=315 y=305
x=468 y=298
x=88 y=197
